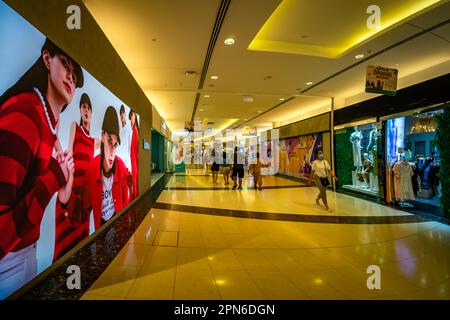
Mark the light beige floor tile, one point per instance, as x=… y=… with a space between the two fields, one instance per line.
x=166 y=238
x=261 y=241
x=89 y=296
x=190 y=239
x=131 y=255
x=281 y=260
x=237 y=285
x=214 y=240
x=193 y=258
x=115 y=282
x=238 y=240
x=253 y=259
x=275 y=286
x=154 y=283
x=223 y=259
x=195 y=284
x=161 y=256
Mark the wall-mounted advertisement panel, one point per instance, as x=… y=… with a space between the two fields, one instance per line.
x=249 y=131
x=298 y=153
x=381 y=80
x=68 y=153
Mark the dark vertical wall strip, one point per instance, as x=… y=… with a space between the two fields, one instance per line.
x=212 y=42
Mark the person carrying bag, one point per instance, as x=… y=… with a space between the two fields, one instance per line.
x=320 y=171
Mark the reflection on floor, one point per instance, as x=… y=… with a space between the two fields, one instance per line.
x=188 y=255
x=155 y=177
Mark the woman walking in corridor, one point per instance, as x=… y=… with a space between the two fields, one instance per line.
x=320 y=171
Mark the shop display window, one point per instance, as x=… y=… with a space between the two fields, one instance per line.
x=356 y=158
x=412 y=160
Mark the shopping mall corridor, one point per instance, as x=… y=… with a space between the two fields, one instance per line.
x=275 y=244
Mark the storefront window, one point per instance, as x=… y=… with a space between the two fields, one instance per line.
x=412 y=159
x=356 y=158
x=297 y=154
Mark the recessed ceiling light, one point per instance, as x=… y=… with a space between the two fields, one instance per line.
x=229 y=41
x=190 y=73
x=282 y=99
x=259 y=111
x=206 y=96
x=214 y=77
x=245 y=119
x=247 y=98
x=201 y=110
x=359 y=56
x=309 y=83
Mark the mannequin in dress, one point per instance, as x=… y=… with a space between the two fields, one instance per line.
x=355 y=139
x=367 y=169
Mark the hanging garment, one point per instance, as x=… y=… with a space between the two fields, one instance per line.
x=355 y=139
x=403 y=181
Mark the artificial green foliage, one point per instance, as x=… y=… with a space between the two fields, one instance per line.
x=442 y=141
x=344 y=158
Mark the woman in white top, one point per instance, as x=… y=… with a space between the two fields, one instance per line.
x=320 y=171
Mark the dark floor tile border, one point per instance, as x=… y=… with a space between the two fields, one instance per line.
x=426 y=211
x=229 y=188
x=292 y=217
x=97 y=254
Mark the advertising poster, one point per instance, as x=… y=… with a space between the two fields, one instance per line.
x=395 y=141
x=249 y=131
x=381 y=80
x=297 y=154
x=68 y=153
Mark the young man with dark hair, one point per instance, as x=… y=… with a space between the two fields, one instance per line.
x=106 y=190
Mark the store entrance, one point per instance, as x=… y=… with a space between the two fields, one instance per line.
x=158 y=152
x=412 y=160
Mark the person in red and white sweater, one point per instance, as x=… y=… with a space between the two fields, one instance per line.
x=134 y=154
x=71 y=226
x=30 y=175
x=106 y=189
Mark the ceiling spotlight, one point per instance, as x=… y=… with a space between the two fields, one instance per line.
x=229 y=41
x=190 y=73
x=206 y=96
x=282 y=99
x=245 y=119
x=259 y=111
x=247 y=98
x=201 y=110
x=309 y=83
x=214 y=77
x=360 y=56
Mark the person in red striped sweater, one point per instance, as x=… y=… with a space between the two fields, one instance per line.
x=134 y=154
x=105 y=189
x=72 y=226
x=30 y=173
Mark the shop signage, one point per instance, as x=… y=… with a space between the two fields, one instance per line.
x=192 y=126
x=249 y=131
x=381 y=80
x=146 y=144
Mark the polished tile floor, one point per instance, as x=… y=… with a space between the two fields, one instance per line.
x=189 y=255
